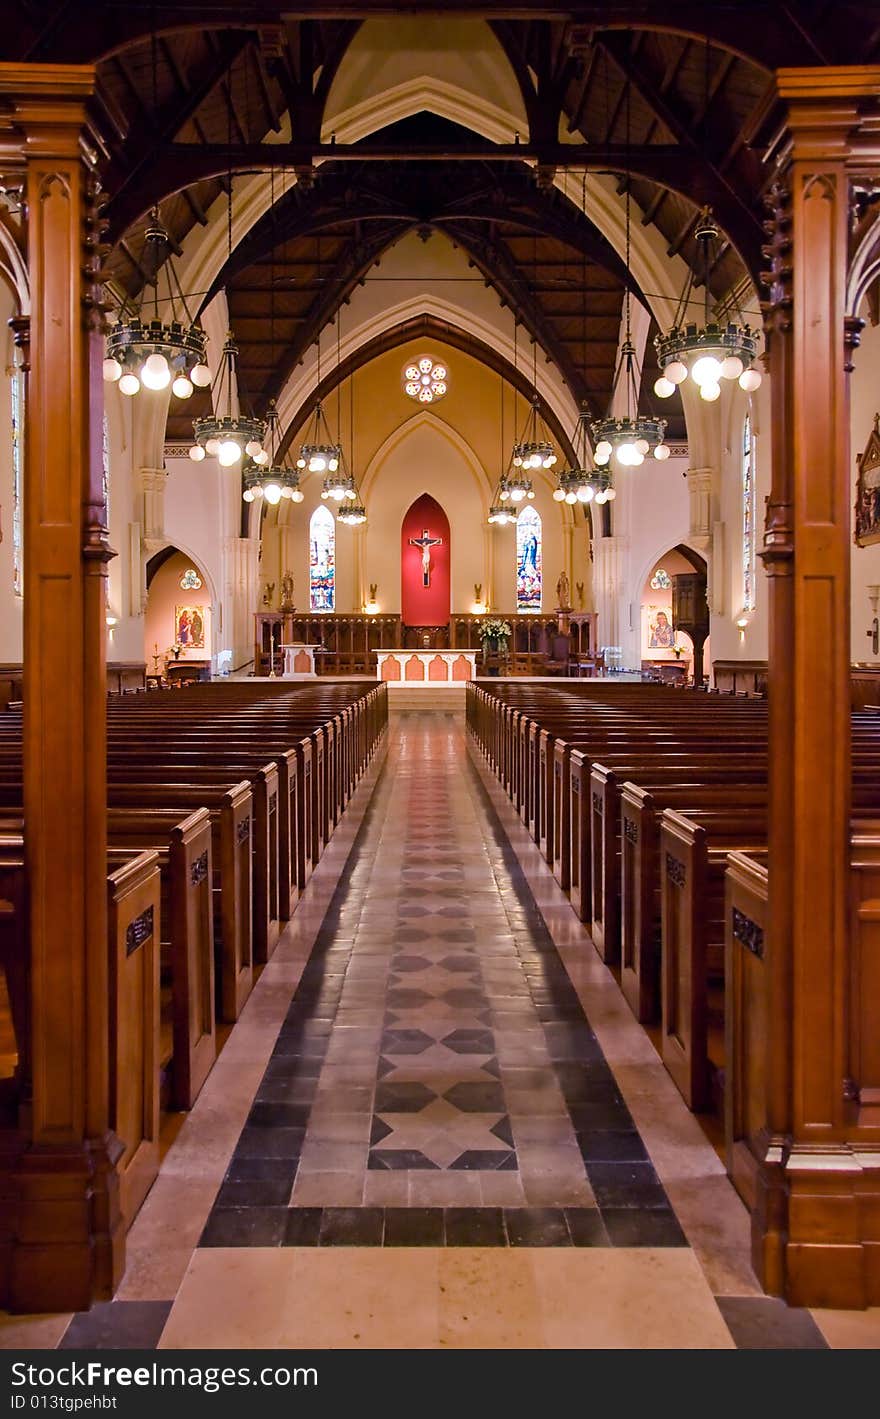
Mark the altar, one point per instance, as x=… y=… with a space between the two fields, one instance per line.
x=299 y=662
x=426 y=667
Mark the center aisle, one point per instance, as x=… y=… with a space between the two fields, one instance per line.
x=437 y=1152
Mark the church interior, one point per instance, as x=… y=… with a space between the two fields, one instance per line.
x=440 y=675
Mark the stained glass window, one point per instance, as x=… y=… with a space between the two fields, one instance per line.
x=748 y=514
x=661 y=580
x=190 y=581
x=322 y=561
x=17 y=473
x=528 y=560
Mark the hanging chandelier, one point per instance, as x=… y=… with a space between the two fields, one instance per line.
x=583 y=483
x=709 y=352
x=534 y=448
x=319 y=454
x=228 y=436
x=149 y=352
x=267 y=475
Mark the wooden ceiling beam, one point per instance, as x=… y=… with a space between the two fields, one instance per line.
x=761 y=32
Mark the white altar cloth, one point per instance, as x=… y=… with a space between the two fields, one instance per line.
x=414 y=668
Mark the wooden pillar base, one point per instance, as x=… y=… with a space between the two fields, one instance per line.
x=816 y=1226
x=68 y=1244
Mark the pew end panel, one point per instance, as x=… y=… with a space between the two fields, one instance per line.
x=133 y=898
x=745 y=1020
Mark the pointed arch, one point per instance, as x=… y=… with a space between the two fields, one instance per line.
x=529 y=560
x=322 y=560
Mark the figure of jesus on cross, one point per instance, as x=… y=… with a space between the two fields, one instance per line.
x=426 y=542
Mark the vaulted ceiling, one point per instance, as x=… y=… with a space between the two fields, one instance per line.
x=665 y=97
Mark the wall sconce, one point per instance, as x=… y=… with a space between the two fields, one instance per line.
x=479 y=608
x=111 y=620
x=874 y=633
x=371 y=608
x=371 y=605
x=742 y=622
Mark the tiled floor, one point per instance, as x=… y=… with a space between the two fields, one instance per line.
x=437 y=1124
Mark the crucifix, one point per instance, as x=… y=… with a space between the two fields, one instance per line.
x=426 y=542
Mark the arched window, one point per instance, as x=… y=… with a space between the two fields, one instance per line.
x=528 y=560
x=322 y=561
x=748 y=514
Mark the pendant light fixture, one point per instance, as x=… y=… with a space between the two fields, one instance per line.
x=582 y=482
x=352 y=513
x=267 y=474
x=706 y=351
x=228 y=434
x=151 y=352
x=502 y=509
x=629 y=437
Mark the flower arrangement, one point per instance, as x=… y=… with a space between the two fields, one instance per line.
x=496 y=631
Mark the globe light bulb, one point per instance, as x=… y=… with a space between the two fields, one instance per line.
x=601 y=497
x=710 y=390
x=325 y=495
x=504 y=495
x=517 y=460
x=518 y=494
x=297 y=495
x=155 y=373
x=570 y=497
x=253 y=447
x=559 y=495
x=228 y=453
x=111 y=370
x=706 y=370
x=749 y=380
x=531 y=495
x=603 y=449
x=338 y=494
x=585 y=494
x=332 y=464
x=610 y=494
x=181 y=388
x=663 y=387
x=261 y=458
x=661 y=452
x=197 y=453
x=287 y=492
x=201 y=376
x=317 y=463
x=601 y=459
x=547 y=462
x=248 y=495
x=642 y=446
x=212 y=447
x=676 y=371
x=626 y=454
x=300 y=463
x=129 y=383
x=272 y=494
x=637 y=458
x=552 y=460
x=351 y=494
x=732 y=367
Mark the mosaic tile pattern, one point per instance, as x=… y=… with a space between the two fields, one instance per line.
x=435 y=1060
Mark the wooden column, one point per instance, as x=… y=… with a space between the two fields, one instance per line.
x=68 y=1244
x=808 y=1227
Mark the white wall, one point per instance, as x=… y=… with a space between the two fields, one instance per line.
x=864 y=404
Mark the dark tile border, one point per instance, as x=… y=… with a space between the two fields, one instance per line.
x=441 y=1227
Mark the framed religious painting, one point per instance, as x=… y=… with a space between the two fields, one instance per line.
x=189 y=627
x=867 y=511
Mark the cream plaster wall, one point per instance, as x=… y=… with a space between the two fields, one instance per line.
x=864 y=404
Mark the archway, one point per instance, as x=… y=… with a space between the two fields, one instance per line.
x=425 y=564
x=664 y=642
x=179 y=611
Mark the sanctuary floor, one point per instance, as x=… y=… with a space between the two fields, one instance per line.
x=436 y=1123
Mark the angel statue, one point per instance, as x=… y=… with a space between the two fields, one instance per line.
x=268 y=593
x=563 y=591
